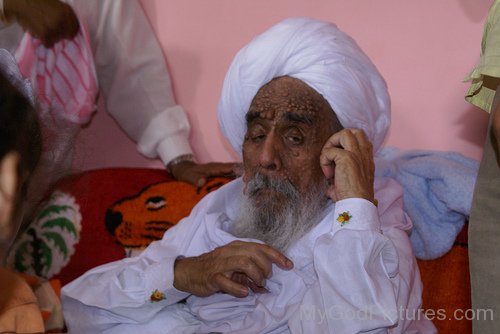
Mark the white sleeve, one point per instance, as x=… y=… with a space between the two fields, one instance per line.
x=116 y=297
x=133 y=77
x=355 y=267
x=366 y=278
x=120 y=292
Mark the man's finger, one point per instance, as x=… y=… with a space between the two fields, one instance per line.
x=366 y=154
x=327 y=160
x=264 y=263
x=263 y=255
x=247 y=266
x=344 y=144
x=231 y=287
x=349 y=141
x=276 y=257
x=256 y=288
x=344 y=139
x=244 y=280
x=365 y=146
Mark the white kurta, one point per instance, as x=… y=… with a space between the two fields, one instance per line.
x=346 y=279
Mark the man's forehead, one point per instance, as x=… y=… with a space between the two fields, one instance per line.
x=286 y=89
x=291 y=116
x=287 y=98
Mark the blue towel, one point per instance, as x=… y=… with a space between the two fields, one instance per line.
x=438 y=189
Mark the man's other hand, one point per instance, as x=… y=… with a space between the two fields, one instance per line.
x=221 y=270
x=48 y=20
x=197 y=174
x=347 y=161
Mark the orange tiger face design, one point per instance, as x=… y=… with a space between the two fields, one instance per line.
x=138 y=220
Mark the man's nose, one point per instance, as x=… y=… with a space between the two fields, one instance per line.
x=269 y=158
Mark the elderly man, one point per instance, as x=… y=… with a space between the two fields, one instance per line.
x=306 y=240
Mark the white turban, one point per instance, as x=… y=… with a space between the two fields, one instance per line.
x=320 y=55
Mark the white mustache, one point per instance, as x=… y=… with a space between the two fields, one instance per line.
x=261 y=181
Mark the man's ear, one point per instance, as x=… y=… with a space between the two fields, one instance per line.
x=8 y=188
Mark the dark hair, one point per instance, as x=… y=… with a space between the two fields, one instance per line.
x=19 y=127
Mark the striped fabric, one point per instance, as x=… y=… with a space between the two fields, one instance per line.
x=63 y=76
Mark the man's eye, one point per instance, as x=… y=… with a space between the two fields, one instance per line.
x=295 y=140
x=256 y=138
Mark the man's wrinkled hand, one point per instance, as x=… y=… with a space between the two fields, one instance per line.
x=231 y=269
x=347 y=161
x=198 y=174
x=48 y=20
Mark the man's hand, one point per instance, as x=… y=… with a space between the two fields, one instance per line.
x=222 y=269
x=347 y=161
x=197 y=174
x=48 y=20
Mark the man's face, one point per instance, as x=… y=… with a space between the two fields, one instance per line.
x=287 y=125
x=285 y=189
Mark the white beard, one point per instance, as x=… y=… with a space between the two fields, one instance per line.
x=279 y=223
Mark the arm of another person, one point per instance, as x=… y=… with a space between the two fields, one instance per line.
x=363 y=278
x=136 y=85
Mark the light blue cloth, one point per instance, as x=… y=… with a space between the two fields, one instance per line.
x=438 y=189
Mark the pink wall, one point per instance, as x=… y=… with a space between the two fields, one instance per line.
x=423 y=48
